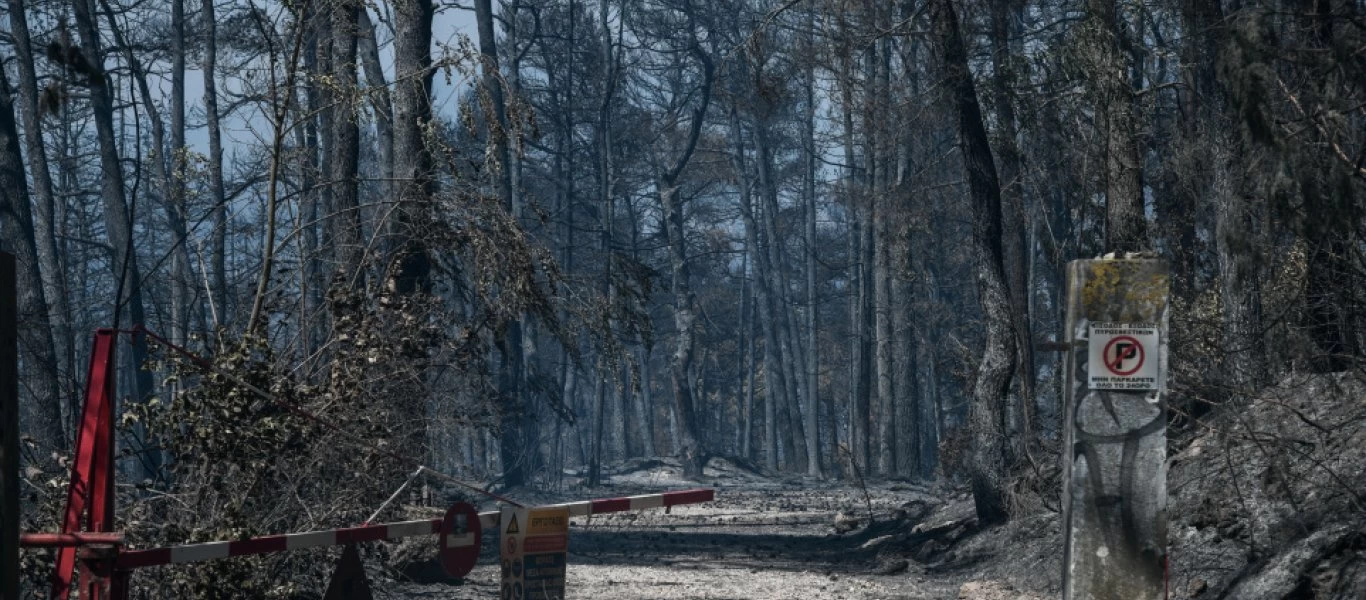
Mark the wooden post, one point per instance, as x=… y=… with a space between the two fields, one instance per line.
x=9 y=433
x=1115 y=484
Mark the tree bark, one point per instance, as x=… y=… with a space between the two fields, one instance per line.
x=693 y=455
x=985 y=461
x=812 y=366
x=182 y=284
x=882 y=305
x=414 y=181
x=785 y=346
x=879 y=160
x=217 y=193
x=44 y=215
x=343 y=214
x=1016 y=224
x=118 y=220
x=744 y=342
x=378 y=90
x=1125 y=223
x=775 y=388
x=44 y=413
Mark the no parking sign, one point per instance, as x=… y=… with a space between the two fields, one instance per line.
x=1123 y=356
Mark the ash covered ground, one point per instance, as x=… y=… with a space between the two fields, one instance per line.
x=1265 y=503
x=783 y=538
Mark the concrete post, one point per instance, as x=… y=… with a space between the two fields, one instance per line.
x=9 y=433
x=1115 y=474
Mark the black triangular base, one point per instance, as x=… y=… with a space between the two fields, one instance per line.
x=348 y=581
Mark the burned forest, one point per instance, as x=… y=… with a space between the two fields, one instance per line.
x=683 y=299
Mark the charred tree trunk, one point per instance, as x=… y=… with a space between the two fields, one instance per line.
x=217 y=194
x=44 y=414
x=44 y=201
x=514 y=473
x=879 y=160
x=343 y=214
x=378 y=90
x=693 y=455
x=1015 y=226
x=685 y=317
x=182 y=284
x=118 y=219
x=411 y=273
x=1125 y=224
x=985 y=460
x=745 y=340
x=789 y=411
x=859 y=247
x=812 y=366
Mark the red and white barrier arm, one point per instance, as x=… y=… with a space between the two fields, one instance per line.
x=188 y=553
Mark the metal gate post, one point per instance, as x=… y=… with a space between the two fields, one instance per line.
x=90 y=495
x=119 y=584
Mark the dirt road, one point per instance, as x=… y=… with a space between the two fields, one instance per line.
x=756 y=541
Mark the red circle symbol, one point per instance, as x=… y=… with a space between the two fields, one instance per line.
x=461 y=535
x=1123 y=355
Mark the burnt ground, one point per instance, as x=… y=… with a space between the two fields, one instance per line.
x=1266 y=502
x=776 y=539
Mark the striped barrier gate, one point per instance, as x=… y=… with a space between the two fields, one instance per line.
x=87 y=534
x=188 y=553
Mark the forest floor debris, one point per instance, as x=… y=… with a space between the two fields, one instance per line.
x=779 y=538
x=1266 y=504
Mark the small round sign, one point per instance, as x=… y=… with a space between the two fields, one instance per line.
x=461 y=535
x=1124 y=355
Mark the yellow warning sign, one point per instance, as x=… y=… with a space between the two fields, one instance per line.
x=548 y=521
x=534 y=558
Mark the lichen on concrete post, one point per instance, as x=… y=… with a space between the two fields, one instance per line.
x=1115 y=474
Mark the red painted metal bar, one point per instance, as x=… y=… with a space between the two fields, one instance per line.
x=68 y=540
x=92 y=485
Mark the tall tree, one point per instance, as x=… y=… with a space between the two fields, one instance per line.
x=414 y=179
x=218 y=196
x=44 y=200
x=1017 y=244
x=685 y=301
x=986 y=471
x=118 y=219
x=512 y=449
x=17 y=237
x=182 y=284
x=343 y=214
x=1116 y=113
x=811 y=370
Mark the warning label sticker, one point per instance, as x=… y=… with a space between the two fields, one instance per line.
x=1123 y=356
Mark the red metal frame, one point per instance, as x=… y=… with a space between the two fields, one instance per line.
x=88 y=536
x=91 y=491
x=69 y=540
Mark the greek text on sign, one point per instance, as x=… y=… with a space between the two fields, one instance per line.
x=1123 y=356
